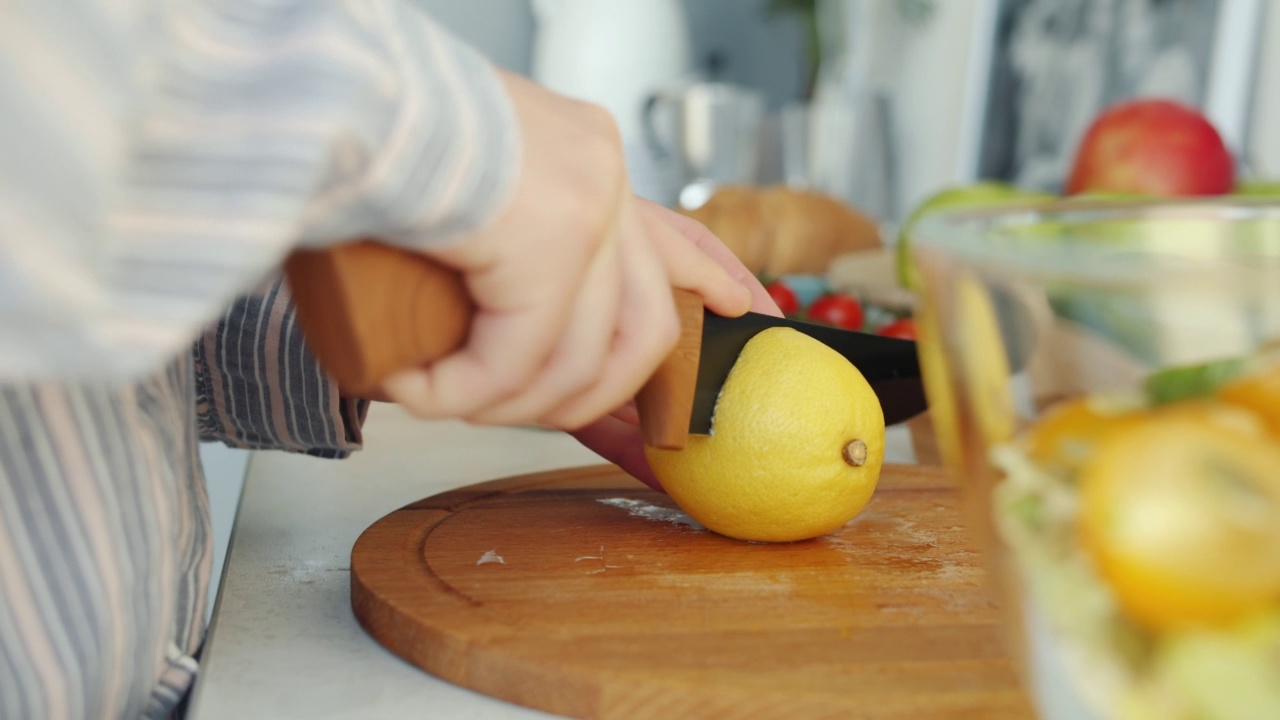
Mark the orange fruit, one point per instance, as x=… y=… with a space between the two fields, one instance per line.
x=1066 y=434
x=1181 y=513
x=1259 y=392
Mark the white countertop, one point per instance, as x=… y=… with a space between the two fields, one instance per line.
x=284 y=642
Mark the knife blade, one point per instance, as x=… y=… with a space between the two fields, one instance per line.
x=368 y=310
x=890 y=365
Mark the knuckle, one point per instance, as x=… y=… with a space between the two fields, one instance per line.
x=577 y=378
x=511 y=380
x=574 y=416
x=414 y=403
x=587 y=225
x=694 y=231
x=497 y=417
x=585 y=376
x=603 y=126
x=594 y=176
x=422 y=410
x=601 y=148
x=512 y=383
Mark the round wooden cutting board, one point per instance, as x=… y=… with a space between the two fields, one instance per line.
x=584 y=593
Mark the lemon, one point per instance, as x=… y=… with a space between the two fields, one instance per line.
x=943 y=411
x=984 y=361
x=1257 y=391
x=1068 y=433
x=796 y=449
x=1181 y=513
x=967 y=364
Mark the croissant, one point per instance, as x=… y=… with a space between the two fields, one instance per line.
x=778 y=230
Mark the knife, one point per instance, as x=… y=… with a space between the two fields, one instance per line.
x=368 y=310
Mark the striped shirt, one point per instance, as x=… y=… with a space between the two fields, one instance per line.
x=158 y=158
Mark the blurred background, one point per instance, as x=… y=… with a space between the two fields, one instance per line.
x=883 y=102
x=805 y=132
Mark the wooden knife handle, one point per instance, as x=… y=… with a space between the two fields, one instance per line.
x=665 y=403
x=368 y=310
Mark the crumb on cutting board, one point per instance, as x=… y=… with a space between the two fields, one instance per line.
x=491 y=556
x=649 y=511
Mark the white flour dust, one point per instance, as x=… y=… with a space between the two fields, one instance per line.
x=649 y=511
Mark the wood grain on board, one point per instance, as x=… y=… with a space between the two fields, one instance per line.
x=583 y=593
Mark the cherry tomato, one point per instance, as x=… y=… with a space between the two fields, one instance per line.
x=840 y=311
x=904 y=328
x=786 y=298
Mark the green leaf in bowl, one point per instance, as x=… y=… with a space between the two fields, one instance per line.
x=1188 y=382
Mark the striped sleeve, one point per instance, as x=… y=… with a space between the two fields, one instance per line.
x=258 y=387
x=160 y=157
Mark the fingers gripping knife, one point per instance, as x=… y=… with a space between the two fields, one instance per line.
x=369 y=310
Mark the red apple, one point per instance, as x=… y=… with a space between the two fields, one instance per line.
x=1152 y=147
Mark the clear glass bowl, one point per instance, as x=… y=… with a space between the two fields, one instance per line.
x=1047 y=334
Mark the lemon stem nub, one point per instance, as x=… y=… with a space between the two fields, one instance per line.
x=855 y=453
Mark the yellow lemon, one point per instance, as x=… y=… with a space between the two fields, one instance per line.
x=1257 y=391
x=1067 y=434
x=983 y=361
x=796 y=449
x=943 y=412
x=1181 y=513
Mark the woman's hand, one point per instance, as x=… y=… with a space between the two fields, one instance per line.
x=572 y=282
x=616 y=437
